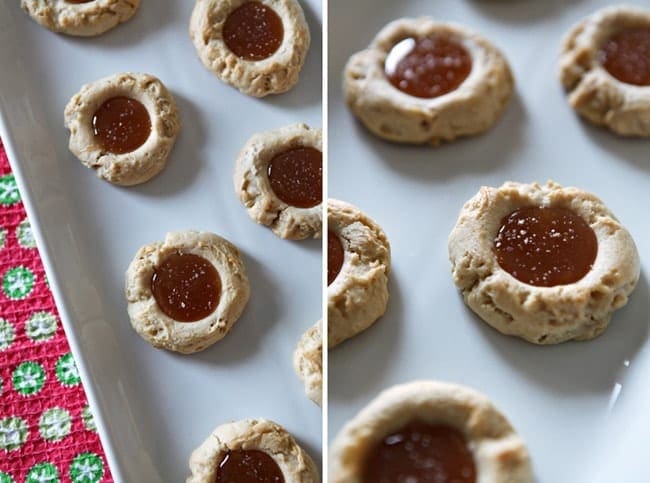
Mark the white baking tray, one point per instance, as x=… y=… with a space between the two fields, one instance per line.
x=153 y=407
x=582 y=407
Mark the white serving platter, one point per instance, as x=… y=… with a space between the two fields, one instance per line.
x=154 y=407
x=581 y=407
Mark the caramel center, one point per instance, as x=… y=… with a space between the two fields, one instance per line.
x=428 y=67
x=186 y=287
x=335 y=256
x=626 y=56
x=545 y=246
x=248 y=466
x=121 y=125
x=253 y=31
x=296 y=177
x=422 y=453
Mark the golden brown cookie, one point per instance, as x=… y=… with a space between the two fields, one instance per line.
x=605 y=69
x=456 y=429
x=123 y=126
x=253 y=448
x=278 y=178
x=80 y=18
x=424 y=81
x=308 y=362
x=358 y=258
x=258 y=47
x=186 y=293
x=542 y=262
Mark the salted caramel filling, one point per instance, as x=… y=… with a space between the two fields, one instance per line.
x=186 y=287
x=296 y=177
x=248 y=466
x=334 y=256
x=253 y=31
x=422 y=453
x=626 y=56
x=545 y=247
x=428 y=67
x=121 y=125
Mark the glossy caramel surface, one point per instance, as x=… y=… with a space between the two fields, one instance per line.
x=423 y=453
x=626 y=56
x=545 y=246
x=186 y=287
x=296 y=177
x=121 y=125
x=428 y=67
x=248 y=466
x=335 y=255
x=253 y=31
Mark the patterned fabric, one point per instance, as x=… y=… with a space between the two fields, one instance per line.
x=47 y=433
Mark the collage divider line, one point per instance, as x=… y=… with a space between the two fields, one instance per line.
x=325 y=356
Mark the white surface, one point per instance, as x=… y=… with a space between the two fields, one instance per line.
x=559 y=398
x=154 y=406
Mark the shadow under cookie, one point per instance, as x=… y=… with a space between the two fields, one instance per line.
x=575 y=368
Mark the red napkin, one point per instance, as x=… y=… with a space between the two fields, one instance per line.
x=47 y=433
